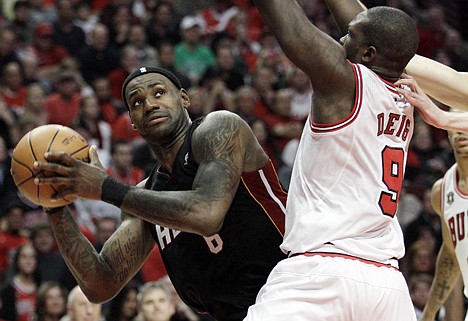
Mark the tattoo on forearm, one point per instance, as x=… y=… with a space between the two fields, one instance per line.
x=125 y=257
x=446 y=271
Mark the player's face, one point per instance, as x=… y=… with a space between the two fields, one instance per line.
x=157 y=107
x=459 y=142
x=352 y=41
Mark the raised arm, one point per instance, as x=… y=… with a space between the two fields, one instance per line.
x=447 y=269
x=344 y=11
x=102 y=275
x=441 y=82
x=312 y=50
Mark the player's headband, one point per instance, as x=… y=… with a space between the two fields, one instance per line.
x=146 y=70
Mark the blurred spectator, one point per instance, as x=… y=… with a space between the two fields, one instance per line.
x=110 y=107
x=120 y=20
x=191 y=56
x=97 y=58
x=287 y=158
x=282 y=126
x=85 y=19
x=34 y=106
x=30 y=65
x=263 y=135
x=197 y=106
x=9 y=133
x=182 y=311
x=12 y=89
x=218 y=16
x=166 y=61
x=88 y=212
x=21 y=22
x=8 y=189
x=301 y=93
x=129 y=60
x=123 y=129
x=409 y=206
x=456 y=49
x=263 y=79
x=99 y=132
x=426 y=226
x=218 y=96
x=79 y=308
x=66 y=33
x=245 y=99
x=19 y=293
x=432 y=30
x=39 y=12
x=124 y=306
x=51 y=298
x=226 y=68
x=147 y=54
x=105 y=227
x=8 y=44
x=122 y=168
x=12 y=235
x=420 y=258
x=155 y=303
x=63 y=105
x=51 y=266
x=49 y=54
x=163 y=24
x=419 y=285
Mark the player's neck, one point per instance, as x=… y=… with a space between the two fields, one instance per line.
x=462 y=172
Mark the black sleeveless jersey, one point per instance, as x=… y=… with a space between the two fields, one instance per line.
x=222 y=274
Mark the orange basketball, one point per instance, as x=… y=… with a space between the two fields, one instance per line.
x=32 y=147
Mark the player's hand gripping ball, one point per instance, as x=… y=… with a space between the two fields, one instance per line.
x=32 y=147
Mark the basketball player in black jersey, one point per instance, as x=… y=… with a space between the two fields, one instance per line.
x=212 y=203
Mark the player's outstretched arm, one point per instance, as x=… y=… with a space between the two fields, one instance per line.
x=447 y=268
x=441 y=82
x=321 y=57
x=430 y=112
x=102 y=275
x=344 y=11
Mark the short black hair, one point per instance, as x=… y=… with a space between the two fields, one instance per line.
x=146 y=70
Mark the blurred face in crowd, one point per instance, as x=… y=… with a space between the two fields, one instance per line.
x=55 y=303
x=157 y=305
x=80 y=309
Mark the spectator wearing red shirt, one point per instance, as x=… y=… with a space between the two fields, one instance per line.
x=63 y=105
x=12 y=236
x=12 y=88
x=122 y=168
x=129 y=61
x=49 y=55
x=111 y=107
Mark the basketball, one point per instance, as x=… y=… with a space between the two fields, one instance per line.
x=31 y=148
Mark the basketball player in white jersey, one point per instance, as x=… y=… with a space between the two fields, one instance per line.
x=450 y=200
x=342 y=236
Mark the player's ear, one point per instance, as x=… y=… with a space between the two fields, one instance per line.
x=185 y=99
x=369 y=54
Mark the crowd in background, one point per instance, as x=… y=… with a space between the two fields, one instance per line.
x=64 y=62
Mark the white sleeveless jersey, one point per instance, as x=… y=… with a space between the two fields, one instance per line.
x=347 y=177
x=454 y=205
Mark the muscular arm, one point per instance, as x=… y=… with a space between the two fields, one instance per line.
x=223 y=145
x=317 y=54
x=344 y=11
x=102 y=275
x=440 y=81
x=447 y=269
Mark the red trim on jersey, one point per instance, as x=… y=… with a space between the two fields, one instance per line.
x=265 y=188
x=455 y=178
x=346 y=256
x=331 y=127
